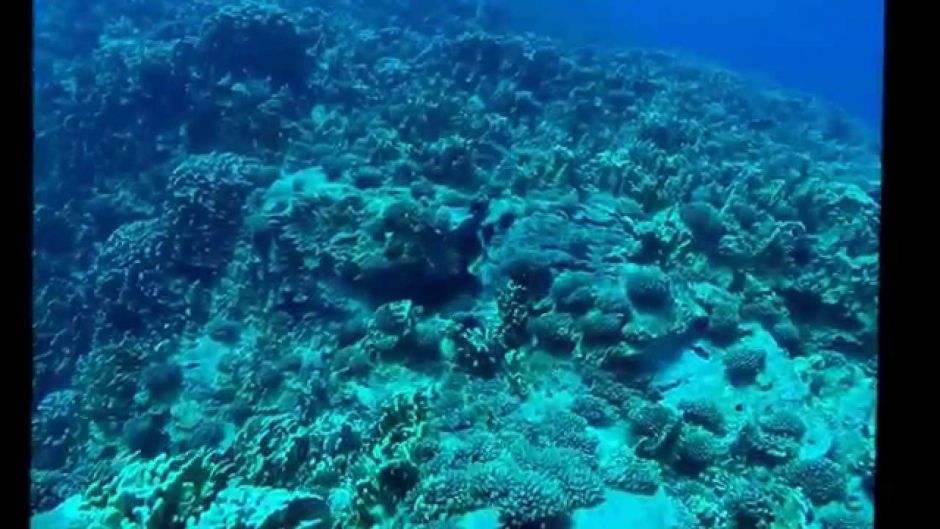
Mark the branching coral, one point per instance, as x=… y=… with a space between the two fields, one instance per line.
x=559 y=428
x=697 y=449
x=277 y=50
x=750 y=507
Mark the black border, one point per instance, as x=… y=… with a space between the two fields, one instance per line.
x=17 y=283
x=901 y=356
x=896 y=319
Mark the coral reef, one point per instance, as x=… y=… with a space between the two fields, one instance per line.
x=386 y=264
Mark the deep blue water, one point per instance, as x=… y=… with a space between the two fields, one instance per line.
x=830 y=48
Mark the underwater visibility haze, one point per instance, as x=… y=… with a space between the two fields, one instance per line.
x=445 y=264
x=833 y=49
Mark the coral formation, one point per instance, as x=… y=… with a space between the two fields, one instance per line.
x=743 y=364
x=697 y=449
x=648 y=288
x=822 y=480
x=596 y=411
x=56 y=429
x=774 y=437
x=632 y=474
x=704 y=413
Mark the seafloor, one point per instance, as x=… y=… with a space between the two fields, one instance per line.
x=391 y=264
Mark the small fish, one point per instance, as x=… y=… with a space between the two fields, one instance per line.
x=700 y=351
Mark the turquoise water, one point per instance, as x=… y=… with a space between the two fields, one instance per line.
x=422 y=264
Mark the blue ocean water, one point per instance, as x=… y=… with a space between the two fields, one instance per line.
x=833 y=49
x=397 y=264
